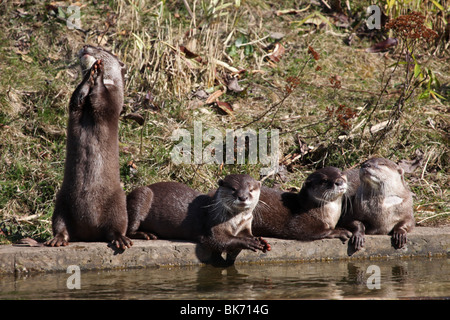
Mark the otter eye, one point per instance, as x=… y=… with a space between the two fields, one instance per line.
x=233 y=189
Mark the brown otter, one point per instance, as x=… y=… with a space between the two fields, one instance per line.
x=166 y=210
x=311 y=214
x=90 y=206
x=172 y=210
x=381 y=203
x=230 y=216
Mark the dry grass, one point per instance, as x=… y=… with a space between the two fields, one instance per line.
x=171 y=59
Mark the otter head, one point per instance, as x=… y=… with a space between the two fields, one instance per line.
x=114 y=69
x=239 y=192
x=378 y=171
x=326 y=184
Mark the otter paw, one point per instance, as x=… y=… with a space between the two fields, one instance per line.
x=57 y=241
x=142 y=235
x=96 y=70
x=122 y=242
x=343 y=234
x=358 y=241
x=253 y=244
x=399 y=238
x=265 y=244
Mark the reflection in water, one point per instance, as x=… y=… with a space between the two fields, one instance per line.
x=411 y=278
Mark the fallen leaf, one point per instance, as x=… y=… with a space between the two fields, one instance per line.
x=28 y=242
x=383 y=45
x=277 y=35
x=27 y=58
x=201 y=94
x=291 y=11
x=213 y=97
x=225 y=65
x=189 y=54
x=340 y=20
x=410 y=165
x=225 y=106
x=277 y=53
x=136 y=117
x=233 y=85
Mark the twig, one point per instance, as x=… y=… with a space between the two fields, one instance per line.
x=188 y=8
x=279 y=103
x=426 y=164
x=434 y=216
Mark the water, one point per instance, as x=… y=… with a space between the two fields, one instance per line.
x=411 y=278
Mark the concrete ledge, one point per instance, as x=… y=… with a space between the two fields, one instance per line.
x=98 y=255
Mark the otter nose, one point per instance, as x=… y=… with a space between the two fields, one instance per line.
x=339 y=182
x=243 y=198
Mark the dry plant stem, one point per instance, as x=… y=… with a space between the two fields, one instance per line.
x=407 y=92
x=188 y=8
x=434 y=216
x=278 y=104
x=383 y=90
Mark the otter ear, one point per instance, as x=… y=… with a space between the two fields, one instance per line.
x=123 y=69
x=401 y=171
x=306 y=183
x=259 y=184
x=220 y=182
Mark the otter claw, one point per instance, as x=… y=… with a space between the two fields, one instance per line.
x=265 y=244
x=57 y=241
x=399 y=239
x=358 y=241
x=122 y=242
x=142 y=235
x=96 y=68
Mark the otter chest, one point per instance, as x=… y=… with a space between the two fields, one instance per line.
x=331 y=213
x=240 y=222
x=381 y=212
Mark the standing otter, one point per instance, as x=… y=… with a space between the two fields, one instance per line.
x=90 y=206
x=311 y=214
x=382 y=203
x=172 y=210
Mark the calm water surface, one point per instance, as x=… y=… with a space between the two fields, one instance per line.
x=411 y=278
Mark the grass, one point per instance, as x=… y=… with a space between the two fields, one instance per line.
x=39 y=72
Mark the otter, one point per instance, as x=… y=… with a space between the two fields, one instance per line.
x=91 y=205
x=311 y=214
x=166 y=210
x=381 y=203
x=230 y=216
x=172 y=210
